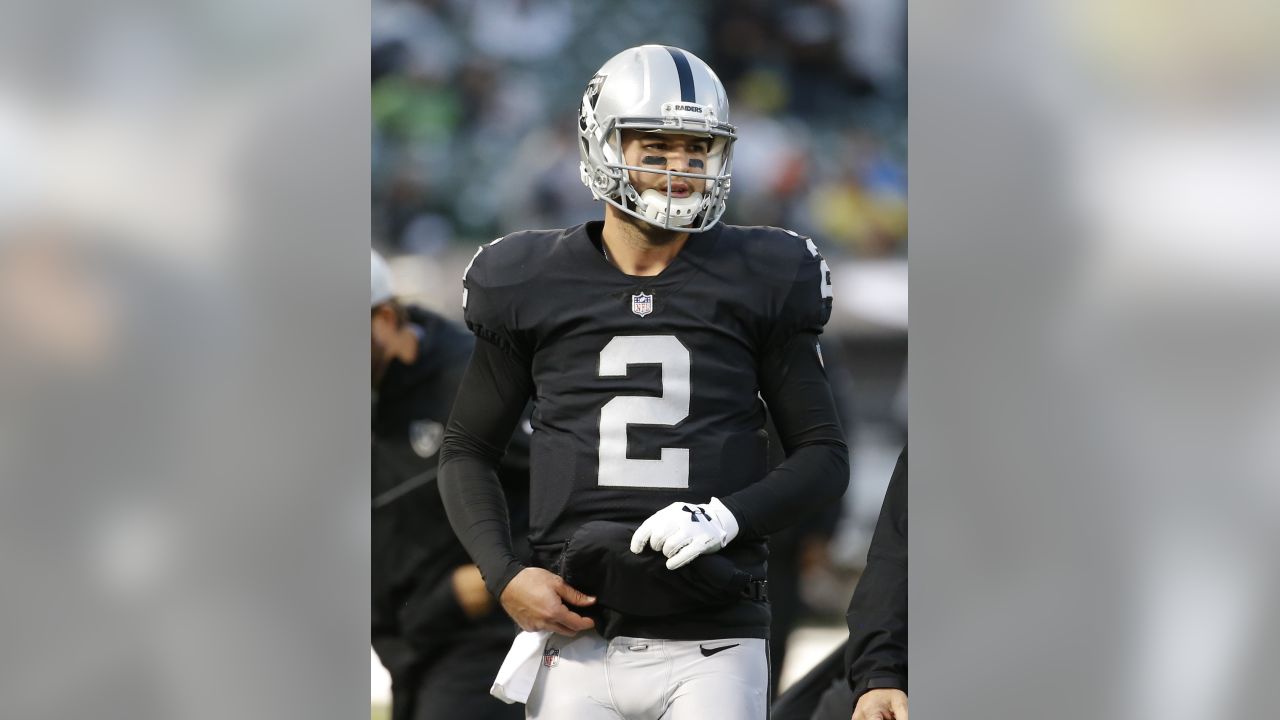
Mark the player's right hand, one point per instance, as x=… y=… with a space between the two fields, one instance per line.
x=538 y=600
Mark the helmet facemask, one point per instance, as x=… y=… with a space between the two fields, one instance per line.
x=660 y=208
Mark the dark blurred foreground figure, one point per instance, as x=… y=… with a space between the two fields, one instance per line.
x=868 y=674
x=435 y=627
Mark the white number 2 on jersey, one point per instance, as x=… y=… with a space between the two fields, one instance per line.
x=616 y=469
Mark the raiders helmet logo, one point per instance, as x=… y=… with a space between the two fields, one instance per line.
x=593 y=90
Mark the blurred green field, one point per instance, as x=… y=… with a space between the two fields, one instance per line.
x=379 y=712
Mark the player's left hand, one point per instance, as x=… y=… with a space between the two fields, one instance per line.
x=683 y=531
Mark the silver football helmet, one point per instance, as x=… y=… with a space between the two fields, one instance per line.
x=659 y=89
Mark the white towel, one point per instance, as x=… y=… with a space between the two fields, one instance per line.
x=520 y=668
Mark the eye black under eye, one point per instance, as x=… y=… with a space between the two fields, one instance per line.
x=653 y=160
x=696 y=163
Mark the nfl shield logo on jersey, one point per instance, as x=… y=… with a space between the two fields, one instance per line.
x=641 y=304
x=550 y=657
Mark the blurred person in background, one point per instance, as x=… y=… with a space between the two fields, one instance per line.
x=653 y=341
x=435 y=627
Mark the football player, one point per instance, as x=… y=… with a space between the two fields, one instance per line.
x=651 y=343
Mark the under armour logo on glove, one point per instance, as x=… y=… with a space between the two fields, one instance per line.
x=683 y=538
x=695 y=511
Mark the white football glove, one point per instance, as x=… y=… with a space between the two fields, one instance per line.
x=683 y=531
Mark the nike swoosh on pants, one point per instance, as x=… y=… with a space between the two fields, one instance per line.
x=708 y=652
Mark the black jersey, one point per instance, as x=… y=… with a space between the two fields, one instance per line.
x=648 y=390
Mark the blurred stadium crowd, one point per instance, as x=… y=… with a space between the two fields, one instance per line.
x=474 y=106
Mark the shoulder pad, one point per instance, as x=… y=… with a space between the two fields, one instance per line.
x=791 y=263
x=511 y=259
x=772 y=252
x=780 y=254
x=496 y=277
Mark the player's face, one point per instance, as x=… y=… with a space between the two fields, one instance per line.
x=665 y=151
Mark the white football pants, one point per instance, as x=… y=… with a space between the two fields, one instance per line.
x=588 y=678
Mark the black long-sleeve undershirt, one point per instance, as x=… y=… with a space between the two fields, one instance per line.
x=492 y=396
x=494 y=391
x=794 y=385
